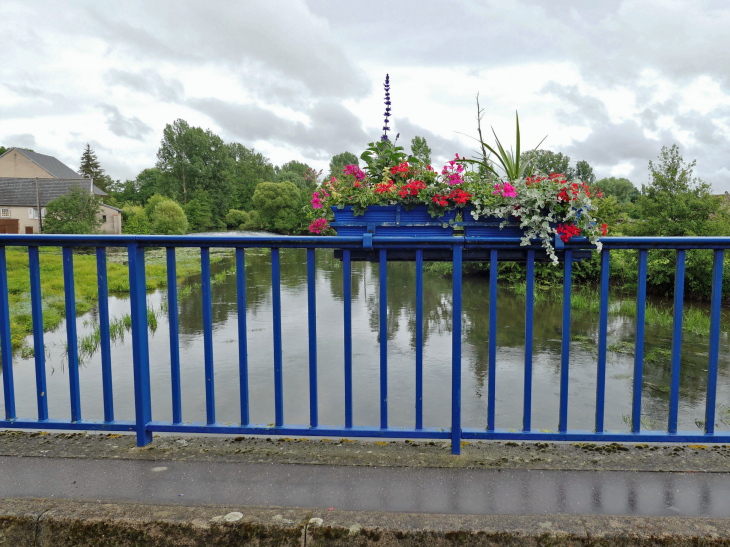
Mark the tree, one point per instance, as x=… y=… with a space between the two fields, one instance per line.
x=192 y=161
x=91 y=169
x=622 y=189
x=235 y=219
x=547 y=162
x=137 y=191
x=340 y=161
x=584 y=172
x=135 y=220
x=3 y=150
x=77 y=212
x=249 y=169
x=421 y=150
x=278 y=207
x=152 y=204
x=169 y=219
x=295 y=166
x=199 y=214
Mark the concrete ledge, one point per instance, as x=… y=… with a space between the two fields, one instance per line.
x=46 y=523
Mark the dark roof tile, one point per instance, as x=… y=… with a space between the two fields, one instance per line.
x=22 y=192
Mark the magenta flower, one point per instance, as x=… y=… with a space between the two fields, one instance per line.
x=318 y=225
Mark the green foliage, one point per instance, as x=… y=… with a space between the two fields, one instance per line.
x=3 y=150
x=199 y=214
x=135 y=221
x=136 y=191
x=253 y=223
x=278 y=207
x=584 y=172
x=608 y=210
x=547 y=162
x=249 y=168
x=420 y=150
x=152 y=204
x=193 y=162
x=235 y=218
x=622 y=189
x=91 y=169
x=340 y=161
x=169 y=219
x=294 y=166
x=514 y=164
x=380 y=156
x=78 y=212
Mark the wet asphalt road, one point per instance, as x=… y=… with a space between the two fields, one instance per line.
x=430 y=490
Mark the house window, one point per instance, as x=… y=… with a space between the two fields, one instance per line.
x=32 y=213
x=103 y=218
x=5 y=213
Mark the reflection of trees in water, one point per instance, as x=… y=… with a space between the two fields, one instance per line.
x=437 y=301
x=332 y=270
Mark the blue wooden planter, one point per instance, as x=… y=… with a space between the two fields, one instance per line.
x=490 y=226
x=392 y=220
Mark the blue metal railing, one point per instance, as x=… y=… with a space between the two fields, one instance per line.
x=458 y=248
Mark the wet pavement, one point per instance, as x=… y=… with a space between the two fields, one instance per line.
x=413 y=490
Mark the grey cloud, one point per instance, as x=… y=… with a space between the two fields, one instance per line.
x=442 y=148
x=123 y=126
x=331 y=130
x=590 y=109
x=252 y=38
x=22 y=140
x=148 y=82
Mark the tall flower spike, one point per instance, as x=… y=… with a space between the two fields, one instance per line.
x=387 y=108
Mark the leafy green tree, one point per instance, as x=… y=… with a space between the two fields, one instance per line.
x=249 y=169
x=339 y=162
x=548 y=162
x=137 y=191
x=421 y=150
x=199 y=214
x=192 y=161
x=295 y=166
x=152 y=204
x=77 y=212
x=135 y=221
x=584 y=172
x=3 y=150
x=169 y=219
x=608 y=211
x=622 y=189
x=278 y=207
x=236 y=218
x=91 y=169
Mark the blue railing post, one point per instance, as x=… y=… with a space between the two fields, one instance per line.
x=456 y=354
x=105 y=342
x=5 y=340
x=312 y=328
x=715 y=319
x=39 y=349
x=172 y=319
x=639 y=343
x=602 y=342
x=529 y=324
x=208 y=335
x=347 y=324
x=383 y=339
x=140 y=347
x=278 y=360
x=419 y=339
x=492 y=378
x=676 y=340
x=565 y=344
x=242 y=336
x=71 y=338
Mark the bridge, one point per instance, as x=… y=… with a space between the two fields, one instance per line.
x=381 y=249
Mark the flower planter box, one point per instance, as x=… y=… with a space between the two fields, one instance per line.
x=490 y=226
x=392 y=220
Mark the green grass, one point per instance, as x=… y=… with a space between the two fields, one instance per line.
x=85 y=284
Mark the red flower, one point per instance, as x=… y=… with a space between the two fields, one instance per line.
x=566 y=231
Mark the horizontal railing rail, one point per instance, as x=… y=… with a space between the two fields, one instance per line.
x=459 y=248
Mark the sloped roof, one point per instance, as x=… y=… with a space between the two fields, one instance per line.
x=48 y=163
x=22 y=192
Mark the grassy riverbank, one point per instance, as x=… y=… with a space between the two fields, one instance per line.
x=85 y=283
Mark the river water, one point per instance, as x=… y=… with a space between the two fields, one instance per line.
x=366 y=364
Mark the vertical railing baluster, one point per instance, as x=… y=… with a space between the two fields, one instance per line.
x=492 y=379
x=242 y=336
x=639 y=343
x=140 y=343
x=312 y=313
x=172 y=319
x=456 y=354
x=419 y=339
x=602 y=342
x=36 y=305
x=715 y=308
x=676 y=340
x=565 y=344
x=208 y=334
x=276 y=305
x=71 y=339
x=529 y=324
x=104 y=338
x=347 y=301
x=6 y=350
x=383 y=339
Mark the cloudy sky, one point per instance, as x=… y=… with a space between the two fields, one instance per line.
x=610 y=82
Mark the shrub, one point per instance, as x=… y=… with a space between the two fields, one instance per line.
x=169 y=219
x=135 y=221
x=235 y=218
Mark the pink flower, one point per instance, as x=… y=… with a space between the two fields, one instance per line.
x=318 y=225
x=506 y=189
x=316 y=203
x=355 y=171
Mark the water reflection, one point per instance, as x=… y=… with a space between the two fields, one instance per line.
x=401 y=344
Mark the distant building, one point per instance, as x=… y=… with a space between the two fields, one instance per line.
x=29 y=180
